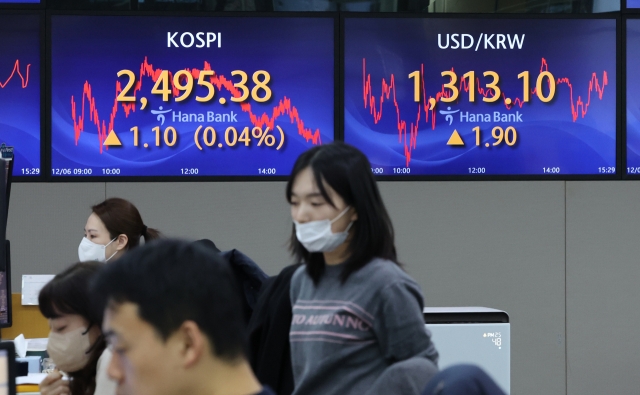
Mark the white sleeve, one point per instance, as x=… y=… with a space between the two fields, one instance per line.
x=104 y=385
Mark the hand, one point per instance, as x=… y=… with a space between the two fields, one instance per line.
x=53 y=384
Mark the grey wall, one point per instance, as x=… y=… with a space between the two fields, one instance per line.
x=559 y=257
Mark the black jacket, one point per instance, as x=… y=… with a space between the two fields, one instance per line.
x=269 y=351
x=247 y=273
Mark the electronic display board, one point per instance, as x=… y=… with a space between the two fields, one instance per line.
x=633 y=97
x=633 y=3
x=20 y=110
x=483 y=96
x=190 y=95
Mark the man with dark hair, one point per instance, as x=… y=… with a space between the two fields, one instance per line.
x=173 y=318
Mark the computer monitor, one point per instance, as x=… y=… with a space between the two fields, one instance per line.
x=6 y=315
x=7 y=368
x=8 y=172
x=4 y=203
x=5 y=252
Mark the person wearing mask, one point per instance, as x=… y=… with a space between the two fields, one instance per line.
x=173 y=319
x=76 y=343
x=355 y=311
x=114 y=227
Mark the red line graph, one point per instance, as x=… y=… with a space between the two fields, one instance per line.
x=16 y=70
x=408 y=134
x=284 y=106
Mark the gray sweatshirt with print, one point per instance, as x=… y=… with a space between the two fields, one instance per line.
x=343 y=336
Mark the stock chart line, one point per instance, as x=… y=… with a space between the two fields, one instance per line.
x=284 y=106
x=16 y=70
x=579 y=107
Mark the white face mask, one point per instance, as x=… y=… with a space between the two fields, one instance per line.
x=316 y=236
x=90 y=251
x=69 y=350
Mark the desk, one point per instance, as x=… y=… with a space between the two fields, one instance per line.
x=27 y=389
x=26 y=384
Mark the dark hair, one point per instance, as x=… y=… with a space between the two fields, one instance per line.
x=172 y=281
x=120 y=216
x=348 y=171
x=68 y=293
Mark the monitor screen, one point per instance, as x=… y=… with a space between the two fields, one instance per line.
x=4 y=372
x=6 y=166
x=479 y=97
x=20 y=91
x=189 y=96
x=633 y=97
x=5 y=251
x=5 y=301
x=633 y=3
x=7 y=368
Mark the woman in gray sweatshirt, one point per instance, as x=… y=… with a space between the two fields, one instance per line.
x=355 y=311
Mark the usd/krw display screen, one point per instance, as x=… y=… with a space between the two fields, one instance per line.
x=188 y=96
x=20 y=92
x=633 y=97
x=482 y=96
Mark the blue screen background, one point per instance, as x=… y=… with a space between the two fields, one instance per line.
x=548 y=138
x=633 y=96
x=633 y=3
x=20 y=96
x=297 y=52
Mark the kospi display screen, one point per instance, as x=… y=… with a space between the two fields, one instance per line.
x=633 y=97
x=189 y=96
x=20 y=92
x=478 y=96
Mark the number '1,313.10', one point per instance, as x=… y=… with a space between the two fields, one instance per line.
x=452 y=91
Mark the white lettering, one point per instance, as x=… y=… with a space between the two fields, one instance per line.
x=211 y=37
x=516 y=40
x=487 y=41
x=467 y=117
x=470 y=37
x=440 y=41
x=200 y=38
x=467 y=41
x=454 y=38
x=182 y=39
x=188 y=39
x=170 y=38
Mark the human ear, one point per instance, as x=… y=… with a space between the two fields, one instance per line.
x=122 y=241
x=191 y=343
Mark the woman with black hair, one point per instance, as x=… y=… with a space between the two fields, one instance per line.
x=113 y=228
x=76 y=343
x=355 y=311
